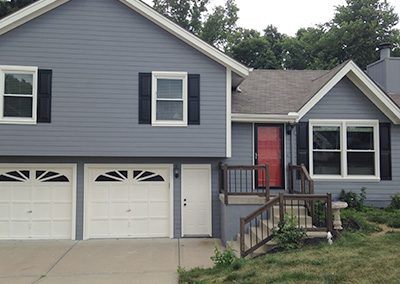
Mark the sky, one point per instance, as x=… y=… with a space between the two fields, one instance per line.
x=287 y=15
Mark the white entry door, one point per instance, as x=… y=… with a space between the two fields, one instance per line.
x=37 y=201
x=196 y=200
x=128 y=201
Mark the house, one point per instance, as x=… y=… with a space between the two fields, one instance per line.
x=117 y=123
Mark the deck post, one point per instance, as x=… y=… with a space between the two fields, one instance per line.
x=267 y=186
x=242 y=232
x=281 y=207
x=329 y=216
x=225 y=173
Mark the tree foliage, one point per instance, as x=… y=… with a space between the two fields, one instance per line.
x=186 y=13
x=355 y=31
x=8 y=7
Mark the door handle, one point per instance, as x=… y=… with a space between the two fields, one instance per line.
x=184 y=200
x=30 y=212
x=184 y=204
x=129 y=210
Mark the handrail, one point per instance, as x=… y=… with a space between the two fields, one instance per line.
x=304 y=177
x=237 y=180
x=263 y=234
x=260 y=224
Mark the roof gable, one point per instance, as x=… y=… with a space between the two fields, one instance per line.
x=288 y=95
x=42 y=6
x=364 y=84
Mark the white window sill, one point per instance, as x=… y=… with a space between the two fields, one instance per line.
x=169 y=124
x=347 y=179
x=18 y=121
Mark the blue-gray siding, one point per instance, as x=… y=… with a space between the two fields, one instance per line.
x=345 y=101
x=387 y=74
x=96 y=48
x=177 y=183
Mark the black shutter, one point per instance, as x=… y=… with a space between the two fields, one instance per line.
x=145 y=98
x=44 y=96
x=302 y=144
x=385 y=151
x=194 y=99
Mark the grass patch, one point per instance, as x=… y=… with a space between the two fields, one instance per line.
x=358 y=256
x=354 y=258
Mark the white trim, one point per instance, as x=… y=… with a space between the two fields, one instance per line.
x=29 y=70
x=197 y=166
x=73 y=181
x=86 y=205
x=343 y=124
x=228 y=113
x=367 y=87
x=42 y=6
x=28 y=13
x=265 y=118
x=174 y=76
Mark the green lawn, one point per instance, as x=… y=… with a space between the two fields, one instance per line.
x=356 y=257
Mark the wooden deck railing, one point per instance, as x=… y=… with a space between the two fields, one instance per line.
x=239 y=181
x=299 y=174
x=258 y=226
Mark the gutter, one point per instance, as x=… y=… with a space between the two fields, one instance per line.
x=291 y=117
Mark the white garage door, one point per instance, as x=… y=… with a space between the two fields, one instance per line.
x=128 y=201
x=36 y=202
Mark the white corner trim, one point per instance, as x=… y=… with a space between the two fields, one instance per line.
x=28 y=13
x=275 y=118
x=367 y=87
x=228 y=113
x=186 y=36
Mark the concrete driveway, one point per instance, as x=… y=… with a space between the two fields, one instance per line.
x=101 y=261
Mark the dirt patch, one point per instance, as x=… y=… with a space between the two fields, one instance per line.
x=385 y=229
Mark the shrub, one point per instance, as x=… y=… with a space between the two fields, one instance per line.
x=353 y=199
x=395 y=204
x=288 y=235
x=355 y=221
x=224 y=258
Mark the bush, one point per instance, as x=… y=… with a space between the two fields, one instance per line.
x=288 y=235
x=353 y=199
x=355 y=221
x=224 y=258
x=395 y=204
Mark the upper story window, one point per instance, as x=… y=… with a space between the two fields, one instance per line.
x=18 y=94
x=344 y=149
x=169 y=99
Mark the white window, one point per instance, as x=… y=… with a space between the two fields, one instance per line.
x=18 y=94
x=345 y=149
x=169 y=99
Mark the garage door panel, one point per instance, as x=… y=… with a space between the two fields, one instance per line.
x=21 y=192
x=39 y=201
x=4 y=211
x=137 y=206
x=20 y=229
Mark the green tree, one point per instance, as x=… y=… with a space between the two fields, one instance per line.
x=8 y=7
x=220 y=25
x=186 y=13
x=258 y=50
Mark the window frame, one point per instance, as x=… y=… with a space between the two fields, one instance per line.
x=343 y=125
x=25 y=70
x=169 y=76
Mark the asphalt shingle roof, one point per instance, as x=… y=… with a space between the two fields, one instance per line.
x=279 y=91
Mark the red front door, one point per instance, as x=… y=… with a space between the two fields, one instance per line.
x=269 y=150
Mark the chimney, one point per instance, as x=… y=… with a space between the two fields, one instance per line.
x=385 y=49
